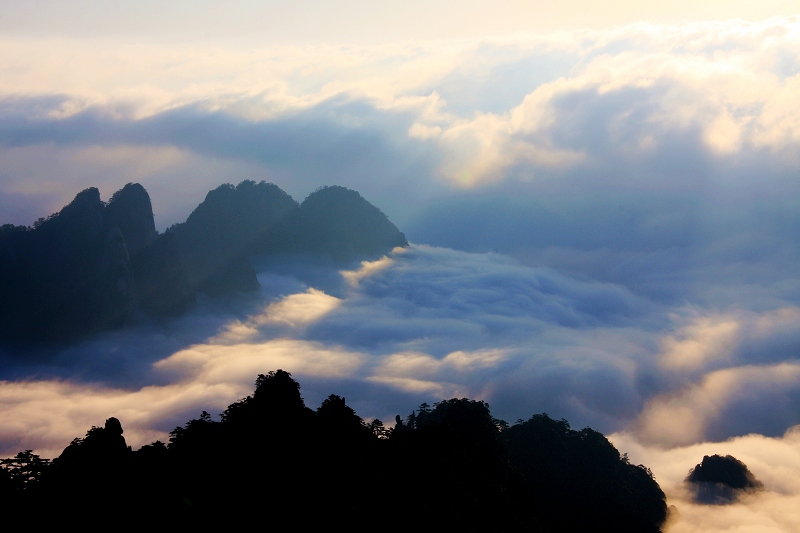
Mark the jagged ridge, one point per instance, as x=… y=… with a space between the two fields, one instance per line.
x=95 y=266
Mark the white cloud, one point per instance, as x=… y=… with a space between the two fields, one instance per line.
x=542 y=109
x=707 y=339
x=47 y=415
x=368 y=268
x=419 y=372
x=682 y=417
x=292 y=311
x=773 y=461
x=428 y=323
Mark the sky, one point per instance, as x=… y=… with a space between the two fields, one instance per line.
x=602 y=201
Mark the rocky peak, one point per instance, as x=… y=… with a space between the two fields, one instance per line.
x=341 y=223
x=82 y=218
x=130 y=210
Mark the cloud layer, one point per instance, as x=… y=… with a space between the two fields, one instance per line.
x=429 y=323
x=700 y=112
x=775 y=461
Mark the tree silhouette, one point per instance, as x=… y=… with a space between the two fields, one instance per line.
x=379 y=430
x=578 y=481
x=450 y=457
x=22 y=470
x=270 y=459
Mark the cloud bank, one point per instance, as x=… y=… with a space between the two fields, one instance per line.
x=699 y=111
x=776 y=461
x=428 y=323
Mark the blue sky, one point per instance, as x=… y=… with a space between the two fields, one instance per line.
x=602 y=201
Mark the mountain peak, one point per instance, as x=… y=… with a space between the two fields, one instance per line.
x=340 y=223
x=130 y=210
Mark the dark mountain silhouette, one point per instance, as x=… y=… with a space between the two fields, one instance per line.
x=95 y=266
x=271 y=459
x=129 y=209
x=216 y=239
x=335 y=222
x=162 y=284
x=720 y=480
x=564 y=469
x=209 y=252
x=452 y=459
x=70 y=274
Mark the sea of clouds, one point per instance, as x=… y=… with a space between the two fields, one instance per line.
x=606 y=223
x=669 y=384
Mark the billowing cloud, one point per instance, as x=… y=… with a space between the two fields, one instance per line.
x=773 y=460
x=424 y=323
x=353 y=20
x=47 y=415
x=699 y=344
x=758 y=398
x=694 y=109
x=293 y=312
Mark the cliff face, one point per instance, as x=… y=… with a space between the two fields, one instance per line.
x=70 y=274
x=129 y=209
x=231 y=218
x=219 y=234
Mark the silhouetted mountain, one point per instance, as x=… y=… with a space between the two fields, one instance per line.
x=162 y=285
x=565 y=470
x=209 y=252
x=719 y=480
x=220 y=233
x=129 y=209
x=96 y=266
x=70 y=274
x=336 y=222
x=270 y=458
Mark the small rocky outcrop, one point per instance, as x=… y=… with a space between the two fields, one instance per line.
x=100 y=445
x=720 y=480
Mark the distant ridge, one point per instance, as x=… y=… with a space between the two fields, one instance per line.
x=95 y=266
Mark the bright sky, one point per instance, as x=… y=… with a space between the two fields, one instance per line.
x=356 y=21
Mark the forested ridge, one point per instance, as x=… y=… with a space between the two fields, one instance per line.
x=272 y=461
